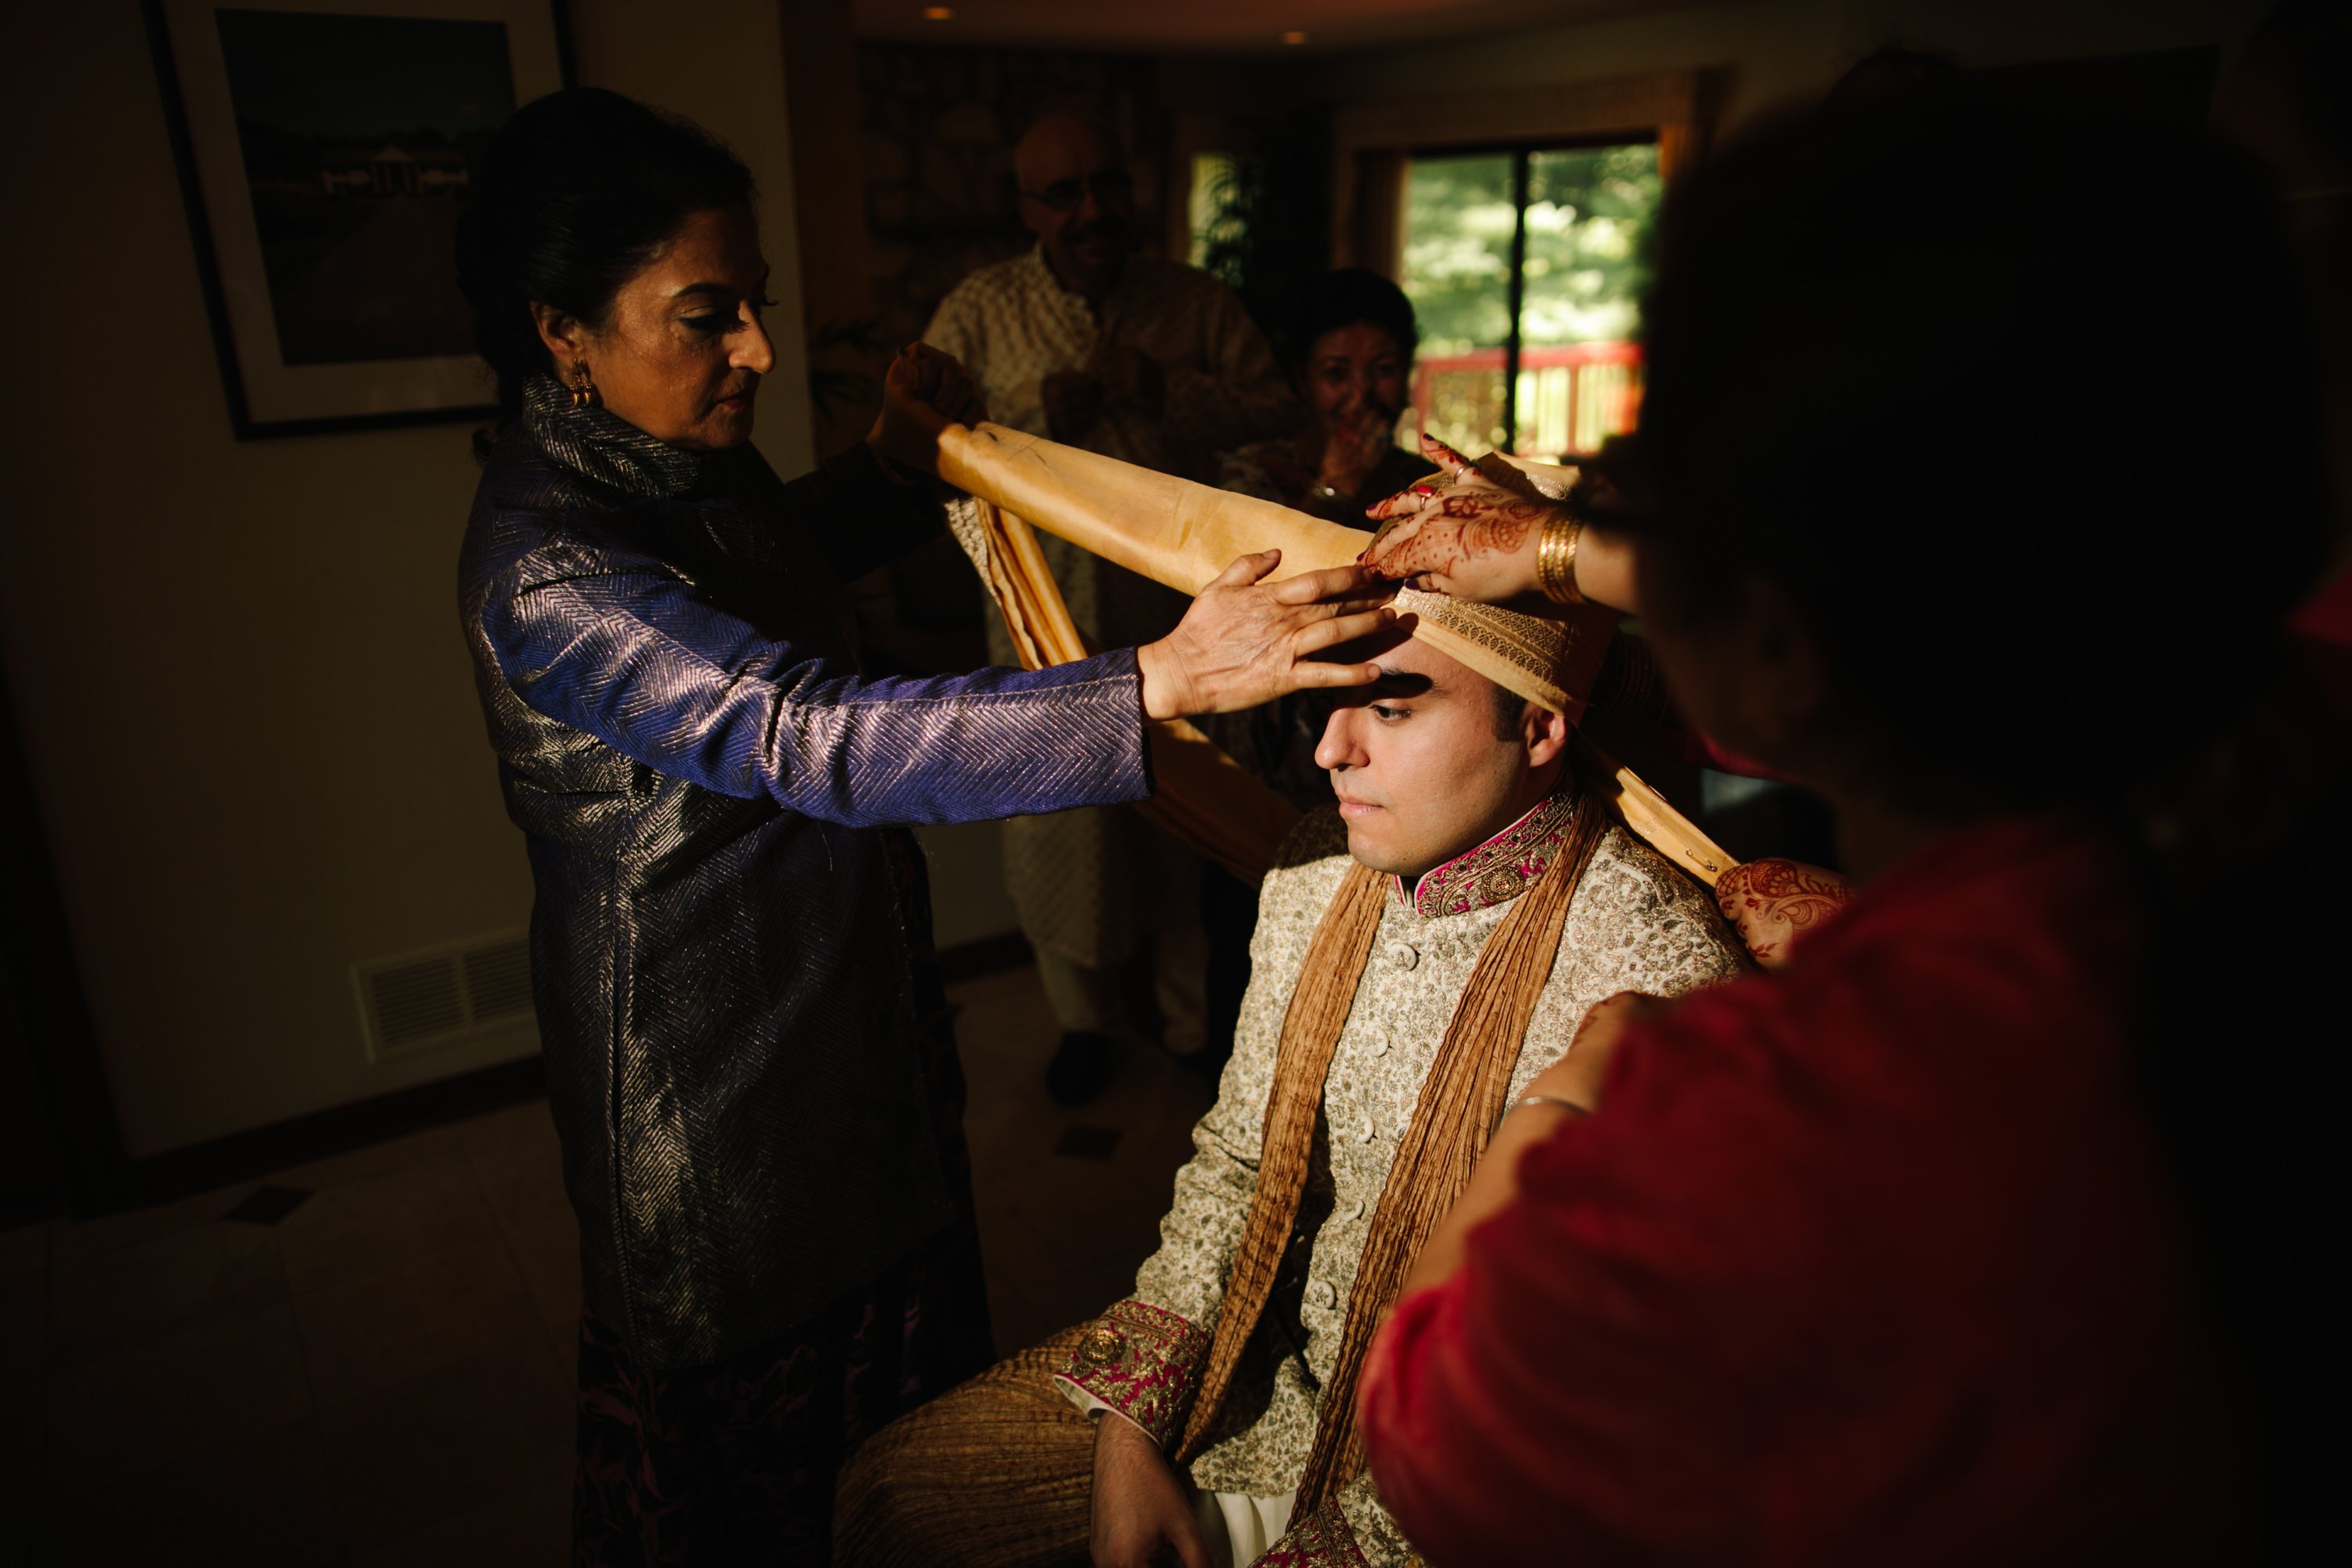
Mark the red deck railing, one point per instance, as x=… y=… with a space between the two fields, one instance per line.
x=1571 y=397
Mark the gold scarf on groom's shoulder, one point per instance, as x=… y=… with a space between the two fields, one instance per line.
x=1460 y=1101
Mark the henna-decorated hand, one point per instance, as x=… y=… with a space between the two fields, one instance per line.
x=1244 y=642
x=1770 y=901
x=1074 y=401
x=923 y=392
x=1459 y=532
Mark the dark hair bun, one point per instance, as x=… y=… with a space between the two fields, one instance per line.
x=578 y=191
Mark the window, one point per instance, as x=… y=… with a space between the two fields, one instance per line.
x=1213 y=225
x=1525 y=266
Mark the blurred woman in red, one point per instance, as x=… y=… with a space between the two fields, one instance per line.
x=1973 y=1234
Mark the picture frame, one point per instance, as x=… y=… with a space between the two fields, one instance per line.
x=325 y=149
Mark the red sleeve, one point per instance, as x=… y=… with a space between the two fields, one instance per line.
x=1870 y=1261
x=1562 y=1397
x=1717 y=1322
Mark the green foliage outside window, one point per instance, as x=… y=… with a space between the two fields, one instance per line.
x=1588 y=211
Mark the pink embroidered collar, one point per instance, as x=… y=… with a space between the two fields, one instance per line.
x=1499 y=870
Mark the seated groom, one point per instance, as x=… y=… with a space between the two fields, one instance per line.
x=1421 y=951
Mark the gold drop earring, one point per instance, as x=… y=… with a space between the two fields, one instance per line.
x=583 y=391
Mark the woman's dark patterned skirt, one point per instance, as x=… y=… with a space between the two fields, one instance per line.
x=734 y=1463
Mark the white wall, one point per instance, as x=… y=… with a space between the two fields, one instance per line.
x=237 y=663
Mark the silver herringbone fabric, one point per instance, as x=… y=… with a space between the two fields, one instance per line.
x=704 y=783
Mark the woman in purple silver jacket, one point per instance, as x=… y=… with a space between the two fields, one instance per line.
x=749 y=1056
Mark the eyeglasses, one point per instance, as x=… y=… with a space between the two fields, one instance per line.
x=1108 y=187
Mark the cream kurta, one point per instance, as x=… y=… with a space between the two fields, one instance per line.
x=1634 y=924
x=1087 y=883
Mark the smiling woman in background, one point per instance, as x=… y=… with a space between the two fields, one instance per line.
x=749 y=1057
x=1349 y=345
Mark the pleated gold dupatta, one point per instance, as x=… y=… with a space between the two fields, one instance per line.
x=1184 y=534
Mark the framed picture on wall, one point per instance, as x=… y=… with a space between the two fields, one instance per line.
x=326 y=149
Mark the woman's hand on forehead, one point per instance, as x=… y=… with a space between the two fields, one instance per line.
x=1459 y=532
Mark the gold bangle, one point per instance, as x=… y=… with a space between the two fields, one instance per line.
x=1555 y=558
x=1527 y=1100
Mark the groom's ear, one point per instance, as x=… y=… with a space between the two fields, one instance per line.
x=1544 y=733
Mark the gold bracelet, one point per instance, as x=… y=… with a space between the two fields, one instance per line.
x=1555 y=558
x=1527 y=1100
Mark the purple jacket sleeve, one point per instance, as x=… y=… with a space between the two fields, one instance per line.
x=628 y=651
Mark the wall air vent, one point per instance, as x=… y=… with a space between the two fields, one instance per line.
x=422 y=1001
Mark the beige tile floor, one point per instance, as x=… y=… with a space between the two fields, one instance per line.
x=384 y=1376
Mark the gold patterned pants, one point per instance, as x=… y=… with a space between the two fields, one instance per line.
x=996 y=1473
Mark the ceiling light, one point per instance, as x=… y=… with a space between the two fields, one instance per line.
x=1294 y=37
x=938 y=13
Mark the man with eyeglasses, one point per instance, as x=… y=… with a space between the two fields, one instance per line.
x=1155 y=363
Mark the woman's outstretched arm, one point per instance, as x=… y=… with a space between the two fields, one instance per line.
x=628 y=649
